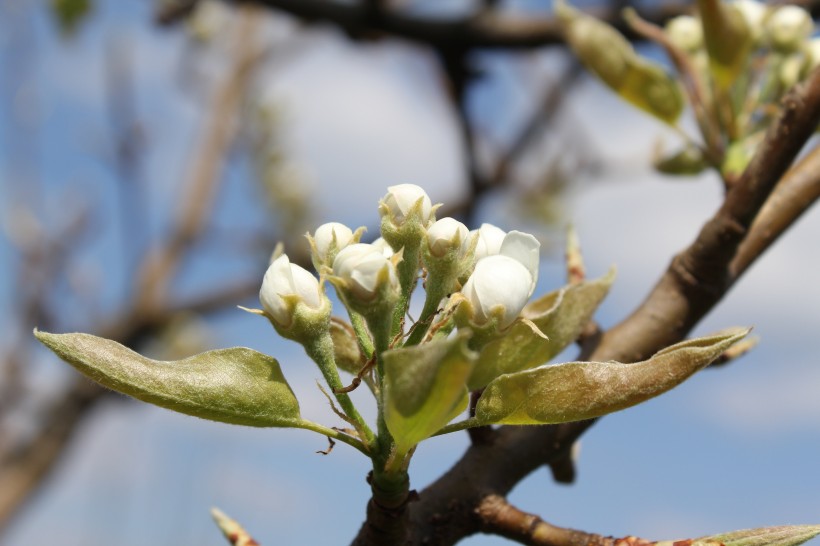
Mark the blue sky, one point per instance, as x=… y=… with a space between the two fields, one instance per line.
x=732 y=448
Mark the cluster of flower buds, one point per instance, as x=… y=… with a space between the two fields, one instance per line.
x=737 y=59
x=488 y=273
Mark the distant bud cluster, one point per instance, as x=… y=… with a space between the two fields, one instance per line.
x=734 y=61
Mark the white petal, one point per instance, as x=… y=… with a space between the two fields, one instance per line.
x=498 y=281
x=490 y=238
x=524 y=248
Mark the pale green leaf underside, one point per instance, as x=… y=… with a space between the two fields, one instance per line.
x=236 y=385
x=582 y=390
x=786 y=535
x=608 y=55
x=425 y=388
x=560 y=315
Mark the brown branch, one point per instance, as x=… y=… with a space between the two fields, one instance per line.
x=485 y=29
x=793 y=195
x=499 y=517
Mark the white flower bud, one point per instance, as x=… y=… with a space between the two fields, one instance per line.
x=686 y=32
x=328 y=240
x=364 y=270
x=285 y=287
x=753 y=13
x=499 y=286
x=788 y=27
x=447 y=234
x=400 y=201
x=490 y=238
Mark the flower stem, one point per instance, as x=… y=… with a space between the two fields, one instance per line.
x=321 y=351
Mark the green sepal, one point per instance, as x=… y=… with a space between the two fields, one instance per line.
x=582 y=390
x=560 y=316
x=237 y=385
x=610 y=56
x=425 y=388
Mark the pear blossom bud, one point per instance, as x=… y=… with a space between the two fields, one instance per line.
x=285 y=288
x=788 y=27
x=499 y=287
x=446 y=235
x=328 y=240
x=402 y=200
x=490 y=238
x=754 y=14
x=365 y=272
x=686 y=32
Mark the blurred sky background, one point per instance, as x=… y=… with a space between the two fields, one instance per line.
x=733 y=448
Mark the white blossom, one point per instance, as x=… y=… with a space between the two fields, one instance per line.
x=401 y=199
x=329 y=239
x=788 y=27
x=686 y=32
x=364 y=268
x=447 y=234
x=285 y=286
x=499 y=285
x=490 y=238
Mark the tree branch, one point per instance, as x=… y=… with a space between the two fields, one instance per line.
x=487 y=29
x=794 y=194
x=499 y=517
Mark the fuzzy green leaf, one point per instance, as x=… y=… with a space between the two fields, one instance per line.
x=425 y=388
x=560 y=315
x=582 y=390
x=610 y=56
x=237 y=385
x=786 y=535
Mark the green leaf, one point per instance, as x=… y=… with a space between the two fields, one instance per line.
x=610 y=56
x=70 y=13
x=560 y=315
x=425 y=388
x=582 y=390
x=237 y=385
x=786 y=535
